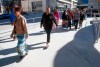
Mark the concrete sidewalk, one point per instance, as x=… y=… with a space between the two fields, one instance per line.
x=67 y=49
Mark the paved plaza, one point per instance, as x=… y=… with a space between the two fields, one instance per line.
x=67 y=48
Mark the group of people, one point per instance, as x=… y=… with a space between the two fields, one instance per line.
x=72 y=18
x=48 y=20
x=69 y=19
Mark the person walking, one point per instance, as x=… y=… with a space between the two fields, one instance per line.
x=82 y=17
x=47 y=22
x=56 y=15
x=65 y=19
x=12 y=16
x=20 y=31
x=76 y=18
x=70 y=13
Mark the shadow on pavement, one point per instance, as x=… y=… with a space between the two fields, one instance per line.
x=32 y=46
x=12 y=59
x=59 y=30
x=5 y=32
x=13 y=50
x=4 y=40
x=80 y=52
x=8 y=51
x=39 y=33
x=8 y=60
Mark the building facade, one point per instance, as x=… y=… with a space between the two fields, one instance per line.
x=40 y=5
x=83 y=4
x=94 y=5
x=6 y=4
x=63 y=4
x=74 y=4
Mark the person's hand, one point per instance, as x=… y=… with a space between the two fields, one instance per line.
x=14 y=37
x=26 y=36
x=11 y=36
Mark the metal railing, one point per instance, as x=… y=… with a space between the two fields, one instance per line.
x=96 y=25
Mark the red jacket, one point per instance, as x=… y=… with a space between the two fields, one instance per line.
x=56 y=14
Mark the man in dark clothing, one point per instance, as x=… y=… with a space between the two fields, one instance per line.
x=47 y=22
x=82 y=17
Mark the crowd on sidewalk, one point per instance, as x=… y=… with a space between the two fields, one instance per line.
x=69 y=18
x=49 y=20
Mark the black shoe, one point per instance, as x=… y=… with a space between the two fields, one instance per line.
x=21 y=57
x=26 y=54
x=19 y=60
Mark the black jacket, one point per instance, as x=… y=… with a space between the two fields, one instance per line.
x=48 y=20
x=65 y=16
x=82 y=17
